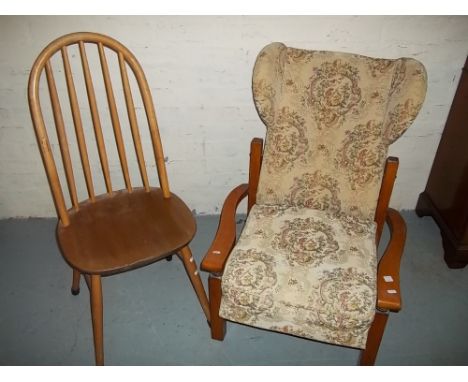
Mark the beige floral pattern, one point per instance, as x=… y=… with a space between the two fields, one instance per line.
x=333 y=91
x=347 y=301
x=338 y=294
x=361 y=92
x=399 y=77
x=251 y=270
x=400 y=117
x=267 y=211
x=265 y=100
x=379 y=66
x=316 y=191
x=362 y=153
x=289 y=277
x=402 y=107
x=306 y=241
x=305 y=262
x=355 y=226
x=265 y=82
x=299 y=55
x=288 y=140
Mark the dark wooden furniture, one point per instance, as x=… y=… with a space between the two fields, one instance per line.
x=446 y=195
x=119 y=230
x=389 y=265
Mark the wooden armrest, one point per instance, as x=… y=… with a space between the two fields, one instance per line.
x=388 y=272
x=225 y=238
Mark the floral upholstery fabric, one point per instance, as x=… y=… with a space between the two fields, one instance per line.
x=305 y=272
x=330 y=117
x=305 y=262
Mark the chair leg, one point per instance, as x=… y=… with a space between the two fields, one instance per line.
x=97 y=318
x=376 y=331
x=75 y=289
x=192 y=271
x=218 y=324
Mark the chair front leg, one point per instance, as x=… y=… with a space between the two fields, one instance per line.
x=218 y=324
x=97 y=318
x=75 y=289
x=192 y=271
x=376 y=331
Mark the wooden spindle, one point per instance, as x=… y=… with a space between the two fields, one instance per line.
x=114 y=117
x=61 y=134
x=95 y=117
x=155 y=138
x=78 y=124
x=44 y=147
x=152 y=122
x=133 y=121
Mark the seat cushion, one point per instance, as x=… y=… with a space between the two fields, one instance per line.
x=304 y=272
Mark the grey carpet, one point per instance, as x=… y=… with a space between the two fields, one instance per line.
x=151 y=315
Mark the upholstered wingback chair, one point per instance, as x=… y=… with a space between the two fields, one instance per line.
x=306 y=261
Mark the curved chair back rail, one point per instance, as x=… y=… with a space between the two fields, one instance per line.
x=43 y=63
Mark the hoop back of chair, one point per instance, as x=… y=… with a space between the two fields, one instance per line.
x=330 y=117
x=125 y=59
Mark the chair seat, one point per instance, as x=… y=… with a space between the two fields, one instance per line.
x=304 y=272
x=124 y=231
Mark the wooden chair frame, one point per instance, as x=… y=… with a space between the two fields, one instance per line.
x=389 y=264
x=125 y=58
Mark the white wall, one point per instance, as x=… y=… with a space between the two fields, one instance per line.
x=199 y=69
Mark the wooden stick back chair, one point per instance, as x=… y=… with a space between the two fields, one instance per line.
x=118 y=230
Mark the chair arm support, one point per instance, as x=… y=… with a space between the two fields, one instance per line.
x=215 y=259
x=388 y=292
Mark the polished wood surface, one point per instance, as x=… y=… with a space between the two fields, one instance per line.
x=389 y=264
x=376 y=331
x=256 y=156
x=114 y=117
x=118 y=230
x=95 y=117
x=61 y=134
x=445 y=195
x=133 y=121
x=192 y=271
x=218 y=324
x=97 y=318
x=225 y=238
x=78 y=123
x=125 y=231
x=388 y=284
x=388 y=180
x=75 y=289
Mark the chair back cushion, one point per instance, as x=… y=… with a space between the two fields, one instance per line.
x=330 y=118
